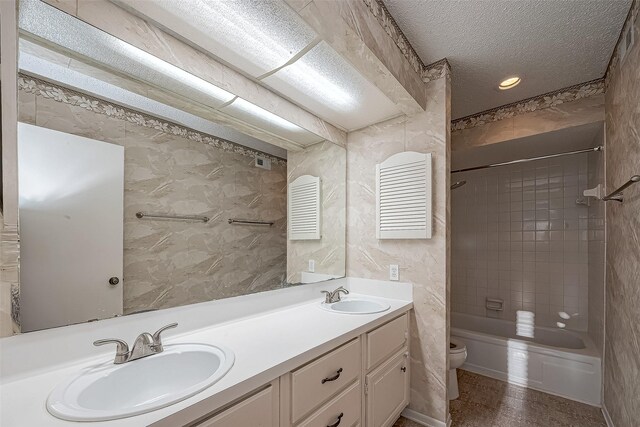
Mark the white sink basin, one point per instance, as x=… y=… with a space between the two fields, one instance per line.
x=356 y=305
x=108 y=391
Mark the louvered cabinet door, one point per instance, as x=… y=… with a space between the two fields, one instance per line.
x=304 y=208
x=403 y=196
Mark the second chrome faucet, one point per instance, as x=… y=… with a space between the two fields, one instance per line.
x=331 y=297
x=145 y=345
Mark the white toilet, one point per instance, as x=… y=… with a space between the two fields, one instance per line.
x=457 y=356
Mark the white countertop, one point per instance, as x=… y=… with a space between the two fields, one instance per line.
x=266 y=344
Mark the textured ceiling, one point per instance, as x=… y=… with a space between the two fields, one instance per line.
x=550 y=44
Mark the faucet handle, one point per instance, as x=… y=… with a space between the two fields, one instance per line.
x=327 y=297
x=122 y=349
x=157 y=341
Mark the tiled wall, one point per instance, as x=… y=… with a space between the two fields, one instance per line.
x=596 y=252
x=519 y=236
x=171 y=263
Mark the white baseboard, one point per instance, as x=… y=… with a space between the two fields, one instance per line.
x=425 y=420
x=607 y=417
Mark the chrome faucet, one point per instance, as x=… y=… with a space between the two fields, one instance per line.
x=331 y=297
x=145 y=345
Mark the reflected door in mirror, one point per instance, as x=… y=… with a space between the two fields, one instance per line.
x=71 y=221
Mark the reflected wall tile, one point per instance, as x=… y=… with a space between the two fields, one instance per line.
x=168 y=263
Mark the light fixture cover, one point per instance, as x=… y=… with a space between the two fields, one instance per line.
x=253 y=36
x=325 y=83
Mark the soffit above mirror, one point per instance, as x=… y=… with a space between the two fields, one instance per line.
x=269 y=42
x=80 y=41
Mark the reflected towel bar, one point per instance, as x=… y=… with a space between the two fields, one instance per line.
x=243 y=221
x=617 y=194
x=142 y=215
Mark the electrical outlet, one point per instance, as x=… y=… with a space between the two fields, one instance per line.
x=394 y=272
x=312 y=266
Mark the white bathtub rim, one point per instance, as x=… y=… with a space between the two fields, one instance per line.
x=587 y=354
x=505 y=377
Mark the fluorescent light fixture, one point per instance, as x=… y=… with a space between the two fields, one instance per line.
x=253 y=36
x=327 y=84
x=50 y=24
x=91 y=45
x=272 y=43
x=509 y=83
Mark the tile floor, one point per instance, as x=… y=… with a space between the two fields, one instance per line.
x=485 y=402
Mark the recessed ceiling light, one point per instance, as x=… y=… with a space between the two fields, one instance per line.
x=509 y=83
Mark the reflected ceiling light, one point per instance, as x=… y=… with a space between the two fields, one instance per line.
x=525 y=323
x=261 y=113
x=146 y=59
x=509 y=83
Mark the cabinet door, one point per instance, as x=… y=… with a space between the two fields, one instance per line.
x=387 y=390
x=259 y=410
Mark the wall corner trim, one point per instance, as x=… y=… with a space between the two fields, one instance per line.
x=607 y=417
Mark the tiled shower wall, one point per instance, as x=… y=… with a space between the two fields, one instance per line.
x=596 y=236
x=519 y=235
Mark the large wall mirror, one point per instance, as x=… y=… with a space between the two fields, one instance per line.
x=144 y=187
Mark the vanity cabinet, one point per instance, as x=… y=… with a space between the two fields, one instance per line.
x=260 y=409
x=364 y=382
x=388 y=390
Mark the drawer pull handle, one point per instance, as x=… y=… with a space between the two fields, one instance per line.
x=337 y=423
x=403 y=369
x=333 y=378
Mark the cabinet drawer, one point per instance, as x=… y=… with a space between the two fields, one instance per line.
x=386 y=340
x=316 y=382
x=343 y=410
x=259 y=410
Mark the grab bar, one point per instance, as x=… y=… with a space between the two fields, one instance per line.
x=142 y=215
x=250 y=222
x=617 y=194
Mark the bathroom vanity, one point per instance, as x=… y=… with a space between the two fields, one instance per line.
x=296 y=364
x=369 y=381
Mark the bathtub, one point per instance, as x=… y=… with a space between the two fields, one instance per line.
x=556 y=361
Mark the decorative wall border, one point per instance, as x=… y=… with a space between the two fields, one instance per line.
x=65 y=95
x=540 y=102
x=614 y=62
x=428 y=72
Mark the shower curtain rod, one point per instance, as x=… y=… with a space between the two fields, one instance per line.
x=530 y=159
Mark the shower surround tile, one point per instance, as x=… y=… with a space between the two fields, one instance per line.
x=171 y=169
x=519 y=236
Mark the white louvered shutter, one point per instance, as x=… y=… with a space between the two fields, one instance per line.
x=304 y=208
x=403 y=196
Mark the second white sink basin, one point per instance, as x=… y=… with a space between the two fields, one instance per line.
x=109 y=391
x=356 y=305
